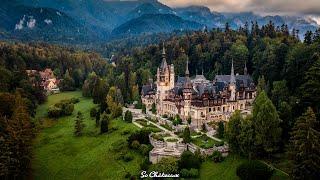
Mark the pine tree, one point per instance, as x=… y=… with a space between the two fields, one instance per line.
x=220 y=129
x=79 y=125
x=104 y=127
x=304 y=148
x=266 y=123
x=97 y=119
x=247 y=138
x=233 y=130
x=128 y=116
x=186 y=135
x=308 y=37
x=311 y=87
x=261 y=85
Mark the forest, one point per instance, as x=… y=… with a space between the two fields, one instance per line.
x=286 y=69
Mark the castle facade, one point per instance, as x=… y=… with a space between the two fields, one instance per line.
x=197 y=98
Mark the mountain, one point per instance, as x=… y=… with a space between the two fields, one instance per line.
x=154 y=23
x=200 y=14
x=30 y=23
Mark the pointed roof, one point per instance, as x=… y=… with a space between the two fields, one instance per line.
x=232 y=76
x=164 y=64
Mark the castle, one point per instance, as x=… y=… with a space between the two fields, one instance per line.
x=199 y=99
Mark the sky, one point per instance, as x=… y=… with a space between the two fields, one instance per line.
x=309 y=8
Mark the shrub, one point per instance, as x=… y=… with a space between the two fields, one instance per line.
x=217 y=157
x=75 y=100
x=145 y=164
x=251 y=170
x=135 y=144
x=189 y=160
x=93 y=112
x=54 y=112
x=167 y=165
x=68 y=109
x=128 y=116
x=165 y=116
x=141 y=136
x=62 y=108
x=192 y=173
x=127 y=157
x=104 y=123
x=144 y=149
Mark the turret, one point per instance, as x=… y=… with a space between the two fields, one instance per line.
x=187 y=92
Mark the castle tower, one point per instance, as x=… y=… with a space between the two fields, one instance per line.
x=165 y=80
x=187 y=92
x=232 y=85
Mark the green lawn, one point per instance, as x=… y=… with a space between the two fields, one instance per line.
x=227 y=169
x=58 y=154
x=205 y=142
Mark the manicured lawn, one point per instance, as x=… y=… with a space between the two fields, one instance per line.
x=227 y=169
x=204 y=142
x=149 y=126
x=58 y=154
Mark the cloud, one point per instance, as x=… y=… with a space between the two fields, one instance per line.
x=258 y=6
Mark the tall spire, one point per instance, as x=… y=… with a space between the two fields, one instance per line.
x=245 y=68
x=164 y=64
x=163 y=49
x=232 y=78
x=187 y=68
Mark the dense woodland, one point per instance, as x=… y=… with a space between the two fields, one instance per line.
x=286 y=70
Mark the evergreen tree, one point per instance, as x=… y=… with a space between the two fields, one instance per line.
x=97 y=119
x=311 y=87
x=186 y=135
x=220 y=129
x=247 y=138
x=261 y=85
x=308 y=37
x=79 y=125
x=233 y=130
x=266 y=123
x=67 y=84
x=104 y=123
x=128 y=116
x=304 y=148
